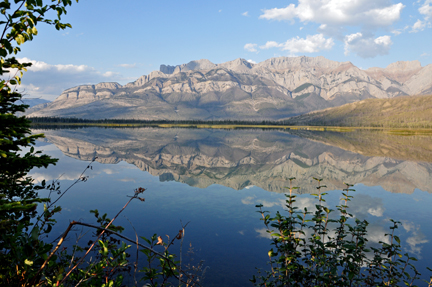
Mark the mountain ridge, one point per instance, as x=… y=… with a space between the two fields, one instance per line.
x=273 y=89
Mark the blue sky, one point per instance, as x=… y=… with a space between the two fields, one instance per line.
x=120 y=41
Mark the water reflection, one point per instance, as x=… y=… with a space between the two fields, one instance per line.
x=237 y=170
x=243 y=158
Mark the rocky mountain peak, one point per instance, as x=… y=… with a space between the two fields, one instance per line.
x=295 y=63
x=109 y=85
x=202 y=64
x=167 y=69
x=403 y=66
x=400 y=71
x=196 y=65
x=237 y=65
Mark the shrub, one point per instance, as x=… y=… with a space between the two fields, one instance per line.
x=331 y=256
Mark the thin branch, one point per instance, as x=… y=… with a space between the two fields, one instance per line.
x=119 y=235
x=137 y=252
x=10 y=20
x=57 y=246
x=80 y=178
x=91 y=247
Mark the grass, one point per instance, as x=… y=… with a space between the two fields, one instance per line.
x=393 y=131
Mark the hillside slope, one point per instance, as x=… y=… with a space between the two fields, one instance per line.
x=400 y=112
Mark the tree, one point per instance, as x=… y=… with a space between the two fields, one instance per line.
x=21 y=251
x=25 y=259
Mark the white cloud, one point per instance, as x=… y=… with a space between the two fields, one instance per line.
x=424 y=55
x=364 y=205
x=415 y=243
x=38 y=66
x=271 y=44
x=287 y=13
x=246 y=14
x=370 y=14
x=409 y=226
x=252 y=61
x=367 y=47
x=109 y=74
x=376 y=233
x=262 y=232
x=426 y=9
x=128 y=66
x=43 y=80
x=416 y=239
x=248 y=200
x=110 y=171
x=250 y=47
x=310 y=44
x=418 y=26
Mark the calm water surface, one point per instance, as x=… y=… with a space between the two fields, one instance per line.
x=214 y=178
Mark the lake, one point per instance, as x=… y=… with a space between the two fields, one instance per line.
x=212 y=180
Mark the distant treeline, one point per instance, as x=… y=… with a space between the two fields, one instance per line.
x=323 y=119
x=58 y=120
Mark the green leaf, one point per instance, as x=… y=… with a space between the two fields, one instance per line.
x=28 y=262
x=397 y=239
x=20 y=39
x=35 y=233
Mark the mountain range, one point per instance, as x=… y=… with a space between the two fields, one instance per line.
x=270 y=90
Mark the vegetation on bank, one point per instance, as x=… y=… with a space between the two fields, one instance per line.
x=409 y=112
x=48 y=122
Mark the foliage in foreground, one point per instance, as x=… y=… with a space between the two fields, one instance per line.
x=309 y=252
x=26 y=259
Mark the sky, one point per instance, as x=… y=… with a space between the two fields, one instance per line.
x=119 y=41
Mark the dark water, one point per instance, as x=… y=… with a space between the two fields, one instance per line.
x=214 y=178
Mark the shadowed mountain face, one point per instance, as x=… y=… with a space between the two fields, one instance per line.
x=242 y=158
x=273 y=89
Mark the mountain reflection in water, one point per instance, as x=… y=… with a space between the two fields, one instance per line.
x=238 y=168
x=263 y=158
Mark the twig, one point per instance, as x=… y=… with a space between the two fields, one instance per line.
x=137 y=252
x=181 y=248
x=132 y=241
x=91 y=247
x=80 y=178
x=57 y=247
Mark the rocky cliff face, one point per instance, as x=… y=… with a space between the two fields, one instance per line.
x=242 y=158
x=273 y=89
